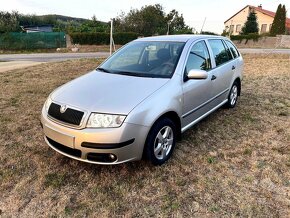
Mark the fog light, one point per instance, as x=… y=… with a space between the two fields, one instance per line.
x=112 y=156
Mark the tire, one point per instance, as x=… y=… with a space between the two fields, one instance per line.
x=233 y=96
x=160 y=141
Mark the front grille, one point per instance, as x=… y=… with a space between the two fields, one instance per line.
x=65 y=149
x=70 y=116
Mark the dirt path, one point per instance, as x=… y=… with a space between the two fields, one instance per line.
x=12 y=65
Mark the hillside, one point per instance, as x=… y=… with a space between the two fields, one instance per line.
x=65 y=18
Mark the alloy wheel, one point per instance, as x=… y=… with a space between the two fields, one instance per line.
x=163 y=142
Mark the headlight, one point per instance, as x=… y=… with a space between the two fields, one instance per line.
x=105 y=120
x=47 y=103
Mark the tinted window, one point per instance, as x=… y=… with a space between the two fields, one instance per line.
x=233 y=49
x=219 y=51
x=145 y=59
x=198 y=57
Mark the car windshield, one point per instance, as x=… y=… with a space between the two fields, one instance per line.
x=145 y=59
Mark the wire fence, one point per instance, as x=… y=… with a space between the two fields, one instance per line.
x=39 y=40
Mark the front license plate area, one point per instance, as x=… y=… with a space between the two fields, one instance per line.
x=61 y=138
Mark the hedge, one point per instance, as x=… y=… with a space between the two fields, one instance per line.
x=102 y=38
x=253 y=36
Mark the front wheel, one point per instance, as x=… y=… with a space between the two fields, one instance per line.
x=233 y=96
x=160 y=142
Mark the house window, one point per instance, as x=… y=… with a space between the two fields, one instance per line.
x=264 y=28
x=238 y=28
x=232 y=27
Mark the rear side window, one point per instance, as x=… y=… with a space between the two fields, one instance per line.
x=219 y=51
x=198 y=58
x=233 y=49
x=228 y=51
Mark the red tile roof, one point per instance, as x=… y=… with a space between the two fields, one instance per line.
x=269 y=13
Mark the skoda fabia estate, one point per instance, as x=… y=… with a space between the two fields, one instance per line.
x=139 y=101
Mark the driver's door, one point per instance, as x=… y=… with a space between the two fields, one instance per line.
x=197 y=93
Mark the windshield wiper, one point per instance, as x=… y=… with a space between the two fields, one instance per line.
x=103 y=70
x=132 y=74
x=126 y=73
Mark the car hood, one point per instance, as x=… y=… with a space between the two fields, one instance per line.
x=107 y=93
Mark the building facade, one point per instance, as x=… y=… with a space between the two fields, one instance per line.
x=37 y=29
x=265 y=18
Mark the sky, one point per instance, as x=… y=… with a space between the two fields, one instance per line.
x=194 y=11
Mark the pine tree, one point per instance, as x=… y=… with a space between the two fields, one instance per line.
x=279 y=23
x=283 y=23
x=251 y=25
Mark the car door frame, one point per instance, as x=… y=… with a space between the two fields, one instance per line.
x=221 y=95
x=192 y=116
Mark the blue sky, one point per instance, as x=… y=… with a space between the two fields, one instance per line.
x=194 y=11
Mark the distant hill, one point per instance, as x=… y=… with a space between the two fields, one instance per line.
x=65 y=18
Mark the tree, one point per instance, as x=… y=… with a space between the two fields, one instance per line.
x=251 y=25
x=9 y=21
x=176 y=23
x=279 y=22
x=151 y=20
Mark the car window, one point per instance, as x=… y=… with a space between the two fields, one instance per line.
x=132 y=56
x=219 y=51
x=228 y=51
x=145 y=59
x=198 y=57
x=233 y=49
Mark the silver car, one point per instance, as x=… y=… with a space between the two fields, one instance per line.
x=139 y=101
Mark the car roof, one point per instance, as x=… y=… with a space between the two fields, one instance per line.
x=177 y=38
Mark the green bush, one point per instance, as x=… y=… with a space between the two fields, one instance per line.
x=102 y=38
x=250 y=36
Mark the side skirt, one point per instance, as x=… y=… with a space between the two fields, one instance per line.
x=203 y=116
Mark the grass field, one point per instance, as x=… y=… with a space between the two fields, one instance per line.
x=235 y=163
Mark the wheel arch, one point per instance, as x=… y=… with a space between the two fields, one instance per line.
x=172 y=115
x=238 y=80
x=175 y=118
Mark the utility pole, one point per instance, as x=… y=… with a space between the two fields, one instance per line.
x=168 y=24
x=230 y=30
x=202 y=25
x=111 y=37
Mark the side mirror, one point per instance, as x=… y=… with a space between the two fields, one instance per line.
x=197 y=74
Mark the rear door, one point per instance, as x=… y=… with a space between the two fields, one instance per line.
x=223 y=69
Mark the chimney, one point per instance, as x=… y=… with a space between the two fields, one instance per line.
x=260 y=6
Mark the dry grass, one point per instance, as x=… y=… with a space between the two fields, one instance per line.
x=234 y=163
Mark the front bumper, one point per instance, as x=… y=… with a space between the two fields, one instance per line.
x=99 y=146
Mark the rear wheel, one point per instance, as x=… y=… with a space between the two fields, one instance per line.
x=160 y=142
x=233 y=96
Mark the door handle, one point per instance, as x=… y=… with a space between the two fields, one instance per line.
x=233 y=67
x=213 y=77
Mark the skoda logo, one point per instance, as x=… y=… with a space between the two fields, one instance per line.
x=62 y=109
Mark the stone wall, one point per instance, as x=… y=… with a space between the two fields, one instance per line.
x=280 y=41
